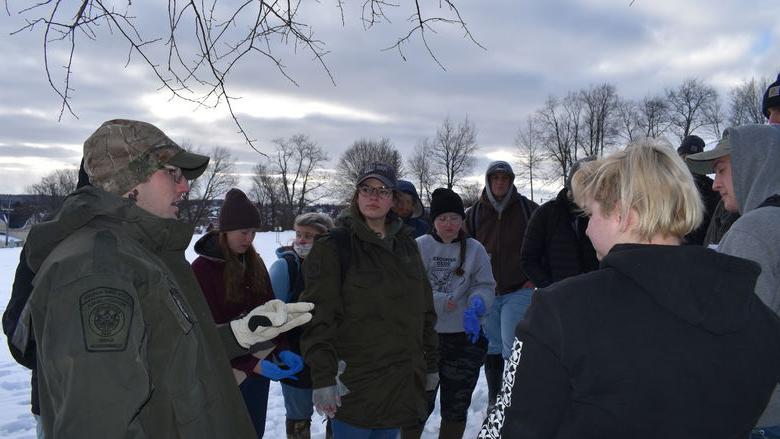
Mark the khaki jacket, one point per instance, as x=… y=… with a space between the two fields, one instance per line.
x=126 y=344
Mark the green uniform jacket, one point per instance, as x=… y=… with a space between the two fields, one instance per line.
x=380 y=322
x=126 y=344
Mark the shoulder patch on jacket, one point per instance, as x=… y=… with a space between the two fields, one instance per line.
x=106 y=314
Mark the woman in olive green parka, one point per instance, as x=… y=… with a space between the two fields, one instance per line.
x=376 y=318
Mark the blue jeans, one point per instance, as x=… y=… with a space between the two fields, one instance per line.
x=766 y=432
x=254 y=389
x=507 y=311
x=297 y=402
x=342 y=430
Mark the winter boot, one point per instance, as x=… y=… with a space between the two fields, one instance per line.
x=494 y=370
x=298 y=429
x=452 y=429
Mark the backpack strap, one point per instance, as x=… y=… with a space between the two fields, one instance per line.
x=343 y=247
x=774 y=201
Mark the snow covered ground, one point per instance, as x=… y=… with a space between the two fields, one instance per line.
x=17 y=422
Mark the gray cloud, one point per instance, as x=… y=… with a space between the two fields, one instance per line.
x=533 y=49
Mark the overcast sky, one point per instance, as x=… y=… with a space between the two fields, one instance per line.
x=533 y=49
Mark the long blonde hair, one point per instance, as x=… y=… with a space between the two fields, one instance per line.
x=649 y=178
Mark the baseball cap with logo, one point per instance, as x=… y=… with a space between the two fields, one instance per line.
x=704 y=162
x=124 y=153
x=382 y=172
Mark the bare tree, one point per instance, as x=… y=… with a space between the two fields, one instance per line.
x=530 y=153
x=654 y=118
x=421 y=169
x=688 y=104
x=470 y=193
x=212 y=184
x=267 y=194
x=599 y=105
x=628 y=119
x=715 y=117
x=745 y=102
x=452 y=150
x=203 y=42
x=559 y=134
x=51 y=191
x=356 y=158
x=296 y=161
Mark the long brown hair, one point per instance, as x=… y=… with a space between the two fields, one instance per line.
x=237 y=274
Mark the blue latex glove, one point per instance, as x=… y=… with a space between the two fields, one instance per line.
x=471 y=315
x=288 y=365
x=292 y=360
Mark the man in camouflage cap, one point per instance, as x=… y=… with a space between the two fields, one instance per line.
x=126 y=346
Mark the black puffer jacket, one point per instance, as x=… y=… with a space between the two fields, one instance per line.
x=661 y=342
x=555 y=245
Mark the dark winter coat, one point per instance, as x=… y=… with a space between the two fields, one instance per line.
x=126 y=343
x=555 y=245
x=209 y=268
x=416 y=221
x=380 y=321
x=24 y=355
x=661 y=342
x=502 y=236
x=720 y=223
x=710 y=198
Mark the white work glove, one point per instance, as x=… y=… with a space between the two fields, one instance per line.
x=269 y=320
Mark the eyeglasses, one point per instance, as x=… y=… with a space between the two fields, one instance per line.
x=175 y=173
x=381 y=191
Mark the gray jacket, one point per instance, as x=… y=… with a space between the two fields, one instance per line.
x=755 y=158
x=440 y=261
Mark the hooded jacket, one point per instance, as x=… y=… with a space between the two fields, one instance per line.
x=416 y=220
x=378 y=318
x=755 y=159
x=126 y=343
x=661 y=342
x=209 y=269
x=555 y=245
x=500 y=227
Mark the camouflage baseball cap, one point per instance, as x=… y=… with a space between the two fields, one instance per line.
x=123 y=153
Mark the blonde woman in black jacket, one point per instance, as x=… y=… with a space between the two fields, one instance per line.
x=663 y=341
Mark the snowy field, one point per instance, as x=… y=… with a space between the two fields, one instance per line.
x=17 y=422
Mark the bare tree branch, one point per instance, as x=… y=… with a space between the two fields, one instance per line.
x=205 y=41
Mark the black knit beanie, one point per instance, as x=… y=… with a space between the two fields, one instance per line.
x=445 y=200
x=771 y=97
x=238 y=212
x=691 y=144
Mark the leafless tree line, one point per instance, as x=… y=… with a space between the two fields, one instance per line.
x=596 y=119
x=292 y=177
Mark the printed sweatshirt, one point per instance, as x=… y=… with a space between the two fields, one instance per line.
x=440 y=261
